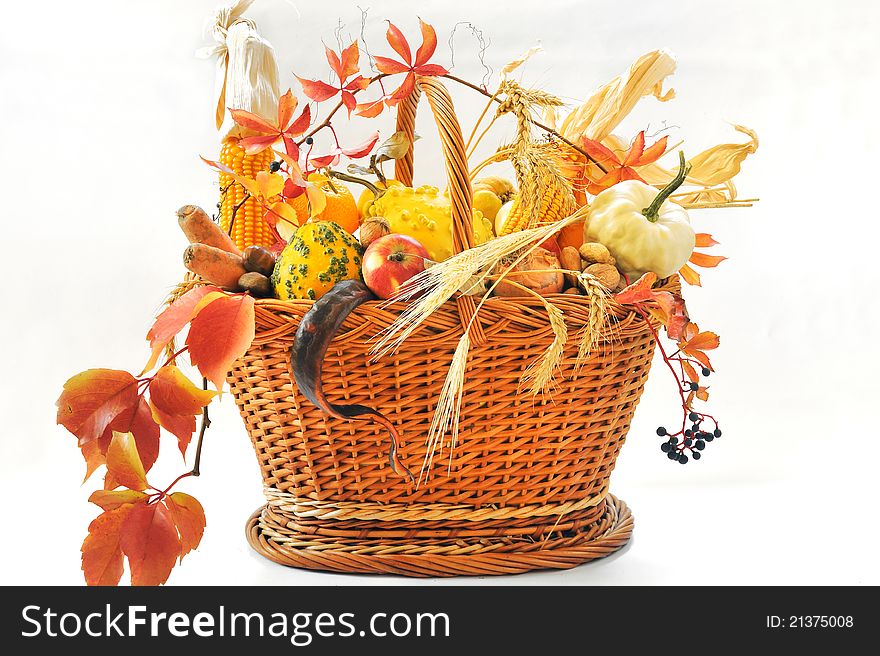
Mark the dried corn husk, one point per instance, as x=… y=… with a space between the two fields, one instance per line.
x=247 y=70
x=608 y=106
x=712 y=170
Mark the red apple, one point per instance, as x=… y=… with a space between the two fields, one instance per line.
x=390 y=261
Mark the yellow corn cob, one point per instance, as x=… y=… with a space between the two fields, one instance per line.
x=248 y=226
x=554 y=207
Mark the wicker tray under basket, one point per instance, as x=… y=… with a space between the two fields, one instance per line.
x=527 y=484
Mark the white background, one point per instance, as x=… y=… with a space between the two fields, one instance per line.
x=105 y=109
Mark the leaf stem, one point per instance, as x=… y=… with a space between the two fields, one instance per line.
x=351 y=178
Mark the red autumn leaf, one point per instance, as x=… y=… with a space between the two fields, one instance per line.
x=181 y=426
x=370 y=109
x=347 y=65
x=390 y=66
x=268 y=134
x=635 y=150
x=600 y=153
x=349 y=101
x=691 y=372
x=357 y=84
x=139 y=422
x=189 y=518
x=149 y=539
x=220 y=334
x=174 y=394
x=110 y=499
x=397 y=41
x=323 y=161
x=690 y=276
x=94 y=398
x=430 y=70
x=317 y=90
x=124 y=463
x=354 y=152
x=172 y=320
x=101 y=553
x=704 y=240
x=651 y=154
x=638 y=291
x=429 y=43
x=251 y=121
x=403 y=91
x=703 y=260
x=678 y=319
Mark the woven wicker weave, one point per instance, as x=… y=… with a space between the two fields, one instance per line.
x=527 y=484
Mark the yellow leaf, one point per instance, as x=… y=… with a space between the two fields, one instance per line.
x=317 y=199
x=124 y=463
x=269 y=184
x=286 y=218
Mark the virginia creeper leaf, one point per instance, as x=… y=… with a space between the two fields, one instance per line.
x=317 y=90
x=704 y=240
x=181 y=426
x=139 y=422
x=703 y=260
x=397 y=41
x=390 y=66
x=172 y=320
x=429 y=43
x=691 y=372
x=189 y=517
x=220 y=334
x=94 y=398
x=149 y=538
x=110 y=499
x=101 y=553
x=690 y=276
x=174 y=394
x=124 y=463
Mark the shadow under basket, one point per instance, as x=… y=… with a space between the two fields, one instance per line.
x=526 y=485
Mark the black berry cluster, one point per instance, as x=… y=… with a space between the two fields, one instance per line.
x=691 y=440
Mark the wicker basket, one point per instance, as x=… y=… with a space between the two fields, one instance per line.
x=527 y=485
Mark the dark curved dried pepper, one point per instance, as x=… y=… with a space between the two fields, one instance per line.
x=313 y=337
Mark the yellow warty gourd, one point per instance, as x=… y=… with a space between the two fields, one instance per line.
x=319 y=255
x=425 y=214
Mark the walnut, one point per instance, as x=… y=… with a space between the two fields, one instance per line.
x=606 y=274
x=595 y=253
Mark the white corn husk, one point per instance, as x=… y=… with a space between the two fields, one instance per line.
x=247 y=70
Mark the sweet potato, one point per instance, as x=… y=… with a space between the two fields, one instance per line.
x=200 y=229
x=215 y=265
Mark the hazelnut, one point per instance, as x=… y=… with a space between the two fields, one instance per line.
x=573 y=290
x=372 y=229
x=606 y=274
x=595 y=253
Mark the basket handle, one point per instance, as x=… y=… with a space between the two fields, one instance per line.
x=453 y=152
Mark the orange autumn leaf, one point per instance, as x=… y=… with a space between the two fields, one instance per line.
x=139 y=422
x=111 y=499
x=618 y=169
x=149 y=539
x=172 y=320
x=175 y=394
x=703 y=393
x=124 y=463
x=703 y=260
x=704 y=240
x=220 y=334
x=189 y=518
x=703 y=341
x=690 y=276
x=181 y=426
x=101 y=552
x=92 y=399
x=691 y=372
